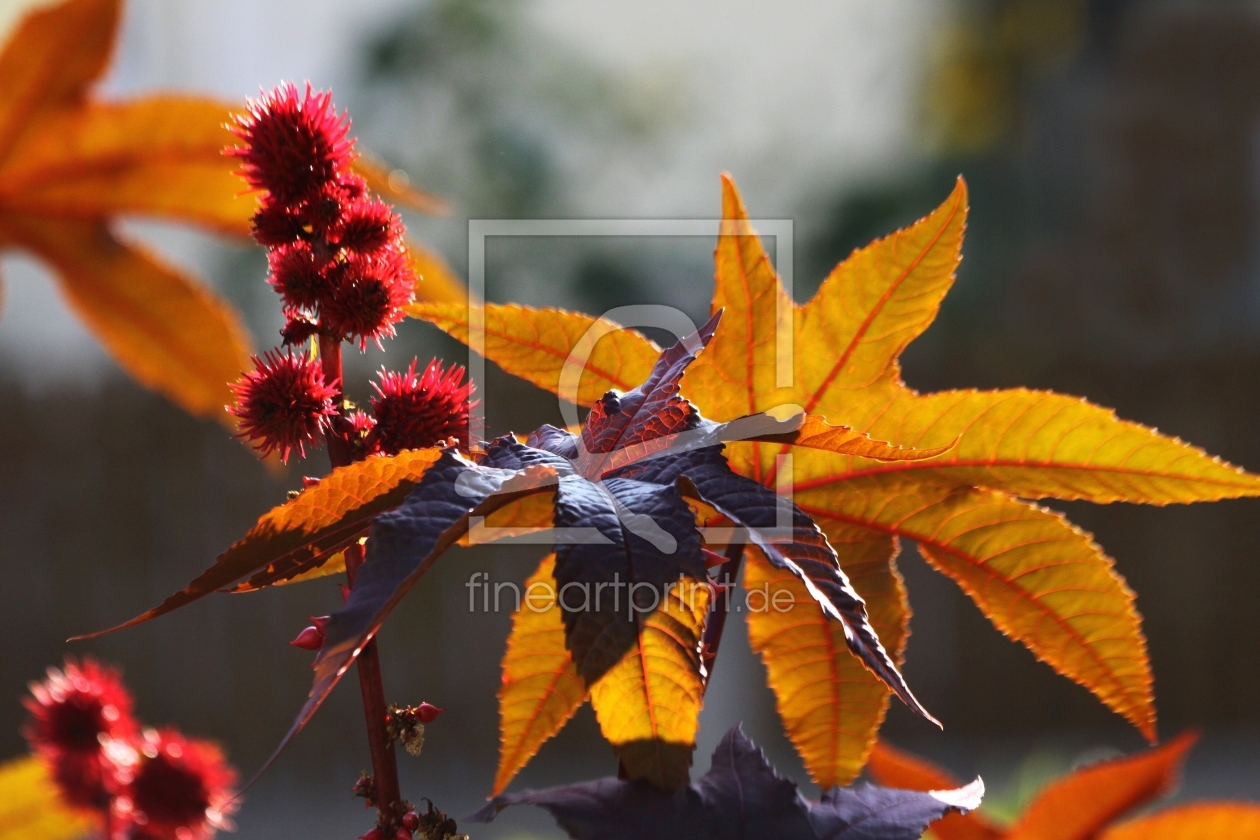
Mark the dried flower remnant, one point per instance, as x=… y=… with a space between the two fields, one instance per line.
x=284 y=404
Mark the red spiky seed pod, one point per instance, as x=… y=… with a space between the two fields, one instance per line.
x=371 y=292
x=297 y=331
x=299 y=276
x=367 y=226
x=414 y=411
x=294 y=143
x=73 y=713
x=176 y=788
x=284 y=404
x=276 y=223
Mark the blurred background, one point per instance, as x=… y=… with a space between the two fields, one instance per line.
x=1111 y=148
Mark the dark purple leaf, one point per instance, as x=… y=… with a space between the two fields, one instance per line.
x=803 y=550
x=652 y=410
x=649 y=541
x=740 y=798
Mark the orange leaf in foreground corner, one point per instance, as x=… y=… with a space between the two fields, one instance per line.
x=71 y=165
x=1201 y=821
x=31 y=809
x=1079 y=805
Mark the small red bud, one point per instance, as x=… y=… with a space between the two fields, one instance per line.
x=320 y=622
x=712 y=558
x=309 y=481
x=411 y=820
x=374 y=834
x=345 y=592
x=402 y=834
x=428 y=712
x=312 y=638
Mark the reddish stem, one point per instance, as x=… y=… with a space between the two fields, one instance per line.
x=384 y=764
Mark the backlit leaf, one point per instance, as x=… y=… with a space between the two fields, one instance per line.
x=435 y=282
x=535 y=343
x=894 y=768
x=393 y=186
x=831 y=705
x=318 y=521
x=541 y=687
x=1079 y=805
x=168 y=332
x=30 y=807
x=1037 y=577
x=1037 y=444
x=1200 y=821
x=648 y=703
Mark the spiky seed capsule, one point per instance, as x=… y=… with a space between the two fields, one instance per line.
x=367 y=225
x=73 y=712
x=178 y=787
x=369 y=294
x=284 y=404
x=299 y=277
x=294 y=143
x=414 y=411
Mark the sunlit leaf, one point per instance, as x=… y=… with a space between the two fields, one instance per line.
x=318 y=521
x=831 y=705
x=435 y=281
x=1079 y=805
x=535 y=343
x=648 y=703
x=30 y=807
x=1200 y=821
x=541 y=686
x=394 y=186
x=1038 y=578
x=168 y=332
x=894 y=768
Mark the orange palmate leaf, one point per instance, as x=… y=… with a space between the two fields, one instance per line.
x=893 y=768
x=318 y=522
x=1038 y=578
x=1200 y=821
x=648 y=704
x=534 y=344
x=30 y=807
x=831 y=705
x=434 y=279
x=1078 y=806
x=541 y=686
x=393 y=186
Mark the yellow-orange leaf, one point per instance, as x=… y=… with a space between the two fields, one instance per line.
x=648 y=704
x=31 y=809
x=541 y=686
x=1039 y=579
x=157 y=156
x=816 y=433
x=169 y=333
x=435 y=281
x=891 y=767
x=535 y=343
x=318 y=520
x=831 y=705
x=1200 y=821
x=1078 y=806
x=1037 y=444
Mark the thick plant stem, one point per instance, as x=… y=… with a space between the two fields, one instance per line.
x=727 y=575
x=384 y=763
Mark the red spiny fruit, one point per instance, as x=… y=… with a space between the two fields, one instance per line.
x=73 y=712
x=277 y=223
x=284 y=403
x=367 y=226
x=297 y=331
x=413 y=411
x=176 y=788
x=299 y=276
x=294 y=143
x=371 y=291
